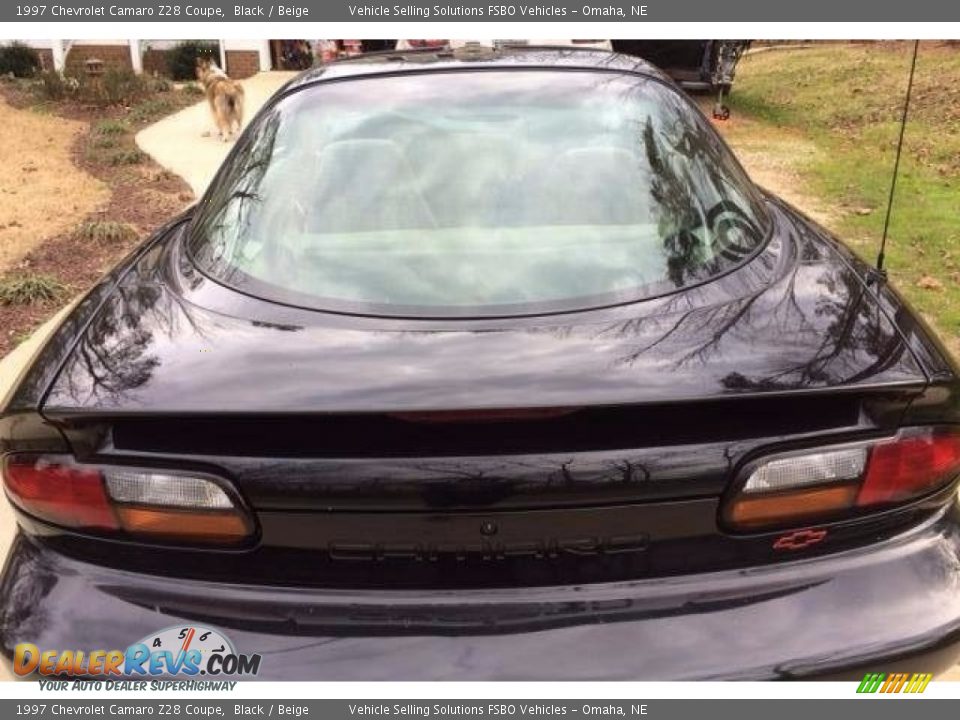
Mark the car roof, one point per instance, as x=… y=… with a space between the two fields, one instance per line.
x=508 y=57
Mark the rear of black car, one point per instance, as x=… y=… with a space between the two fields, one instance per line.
x=749 y=476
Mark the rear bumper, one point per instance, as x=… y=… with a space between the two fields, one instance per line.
x=892 y=606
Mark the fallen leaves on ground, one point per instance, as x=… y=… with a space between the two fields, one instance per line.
x=928 y=282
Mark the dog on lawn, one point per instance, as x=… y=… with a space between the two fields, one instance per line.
x=224 y=95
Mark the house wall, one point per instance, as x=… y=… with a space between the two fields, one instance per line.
x=117 y=56
x=244 y=57
x=155 y=61
x=242 y=63
x=47 y=44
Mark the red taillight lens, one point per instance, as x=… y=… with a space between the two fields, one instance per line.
x=902 y=468
x=161 y=504
x=63 y=494
x=827 y=483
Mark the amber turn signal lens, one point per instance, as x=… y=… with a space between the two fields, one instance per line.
x=184 y=525
x=754 y=511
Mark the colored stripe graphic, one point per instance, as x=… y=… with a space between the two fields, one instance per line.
x=894 y=683
x=871 y=682
x=918 y=683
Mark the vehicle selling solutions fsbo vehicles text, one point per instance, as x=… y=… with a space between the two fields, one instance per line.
x=495 y=11
x=427 y=710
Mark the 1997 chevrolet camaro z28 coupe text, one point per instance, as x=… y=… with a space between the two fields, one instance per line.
x=490 y=365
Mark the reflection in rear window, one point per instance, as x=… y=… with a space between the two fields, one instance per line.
x=484 y=192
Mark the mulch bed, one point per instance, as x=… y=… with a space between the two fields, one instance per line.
x=143 y=196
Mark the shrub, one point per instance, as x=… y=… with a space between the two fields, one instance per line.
x=117 y=86
x=151 y=109
x=111 y=127
x=182 y=59
x=51 y=85
x=29 y=289
x=159 y=84
x=19 y=60
x=104 y=142
x=127 y=157
x=106 y=231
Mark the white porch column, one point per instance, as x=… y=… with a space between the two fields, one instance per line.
x=59 y=55
x=223 y=55
x=136 y=56
x=266 y=62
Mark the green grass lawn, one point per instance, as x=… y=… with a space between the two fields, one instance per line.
x=847 y=101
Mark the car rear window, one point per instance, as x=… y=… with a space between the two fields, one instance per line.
x=487 y=193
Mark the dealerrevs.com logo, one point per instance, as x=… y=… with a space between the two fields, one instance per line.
x=894 y=682
x=172 y=652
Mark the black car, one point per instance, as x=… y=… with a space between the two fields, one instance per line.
x=490 y=365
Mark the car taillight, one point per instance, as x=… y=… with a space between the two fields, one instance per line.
x=821 y=484
x=67 y=495
x=163 y=505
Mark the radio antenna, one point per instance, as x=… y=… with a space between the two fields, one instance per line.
x=896 y=164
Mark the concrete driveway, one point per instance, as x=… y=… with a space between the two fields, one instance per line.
x=178 y=143
x=186 y=143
